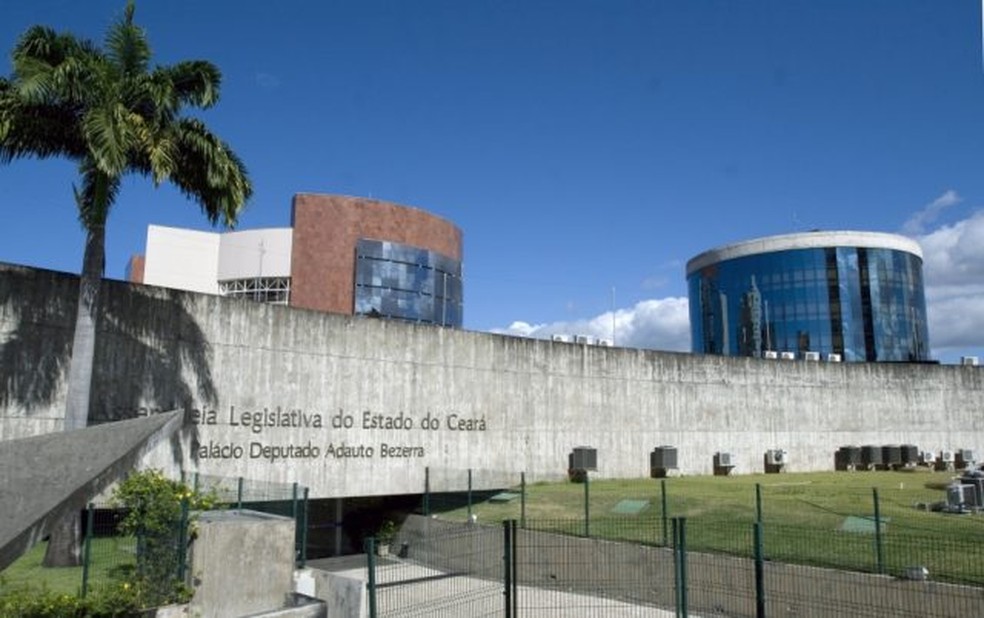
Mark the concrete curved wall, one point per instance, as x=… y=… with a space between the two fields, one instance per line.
x=326 y=228
x=277 y=382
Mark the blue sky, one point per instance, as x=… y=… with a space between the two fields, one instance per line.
x=581 y=146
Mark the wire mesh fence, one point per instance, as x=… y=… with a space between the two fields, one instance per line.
x=285 y=499
x=550 y=568
x=865 y=543
x=110 y=557
x=436 y=568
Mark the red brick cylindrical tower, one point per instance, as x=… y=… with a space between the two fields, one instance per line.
x=326 y=230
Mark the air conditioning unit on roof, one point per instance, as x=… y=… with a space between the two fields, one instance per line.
x=771 y=354
x=811 y=356
x=585 y=339
x=969 y=361
x=560 y=338
x=788 y=356
x=776 y=457
x=833 y=358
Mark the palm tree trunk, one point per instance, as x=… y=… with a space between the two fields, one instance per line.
x=64 y=545
x=84 y=342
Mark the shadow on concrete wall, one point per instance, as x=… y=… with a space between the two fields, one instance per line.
x=151 y=354
x=149 y=338
x=35 y=345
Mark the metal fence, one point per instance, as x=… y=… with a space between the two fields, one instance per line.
x=862 y=554
x=549 y=568
x=108 y=557
x=288 y=500
x=872 y=535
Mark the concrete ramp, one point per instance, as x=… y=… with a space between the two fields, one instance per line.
x=42 y=478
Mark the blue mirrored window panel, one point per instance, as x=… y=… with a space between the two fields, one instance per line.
x=403 y=282
x=863 y=304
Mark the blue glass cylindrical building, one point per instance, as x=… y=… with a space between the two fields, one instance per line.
x=854 y=295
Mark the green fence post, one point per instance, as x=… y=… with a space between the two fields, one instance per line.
x=183 y=541
x=759 y=570
x=304 y=528
x=195 y=486
x=683 y=566
x=522 y=499
x=469 y=494
x=427 y=491
x=370 y=547
x=239 y=494
x=587 y=507
x=677 y=578
x=662 y=489
x=758 y=502
x=507 y=530
x=87 y=549
x=879 y=551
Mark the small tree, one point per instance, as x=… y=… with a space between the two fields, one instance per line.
x=157 y=515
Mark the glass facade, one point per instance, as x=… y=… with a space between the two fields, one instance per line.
x=865 y=304
x=407 y=283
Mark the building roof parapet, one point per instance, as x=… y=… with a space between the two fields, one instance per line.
x=804 y=240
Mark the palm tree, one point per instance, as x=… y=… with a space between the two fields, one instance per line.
x=109 y=111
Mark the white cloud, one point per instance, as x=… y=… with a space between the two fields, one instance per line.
x=953 y=268
x=917 y=223
x=658 y=324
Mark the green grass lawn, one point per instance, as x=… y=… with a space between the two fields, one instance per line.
x=108 y=556
x=813 y=518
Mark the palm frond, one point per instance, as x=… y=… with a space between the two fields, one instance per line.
x=110 y=135
x=127 y=46
x=109 y=112
x=209 y=172
x=97 y=194
x=194 y=82
x=30 y=130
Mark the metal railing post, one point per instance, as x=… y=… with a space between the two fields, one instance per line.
x=370 y=547
x=587 y=507
x=239 y=494
x=427 y=490
x=515 y=568
x=469 y=494
x=522 y=499
x=683 y=566
x=677 y=583
x=304 y=528
x=183 y=541
x=879 y=550
x=680 y=564
x=87 y=549
x=759 y=571
x=507 y=566
x=758 y=502
x=662 y=489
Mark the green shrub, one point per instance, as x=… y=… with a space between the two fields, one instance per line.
x=157 y=514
